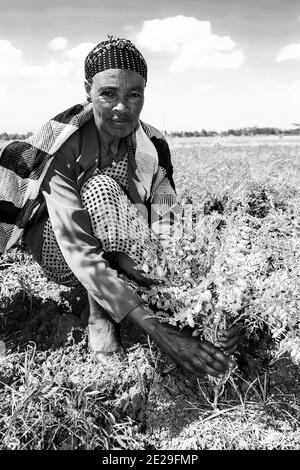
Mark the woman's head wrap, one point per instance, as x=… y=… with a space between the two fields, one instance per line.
x=115 y=53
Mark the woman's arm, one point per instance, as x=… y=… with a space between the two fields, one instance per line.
x=81 y=250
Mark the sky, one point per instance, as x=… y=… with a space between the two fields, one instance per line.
x=213 y=64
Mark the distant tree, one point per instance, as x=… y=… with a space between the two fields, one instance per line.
x=245 y=131
x=15 y=136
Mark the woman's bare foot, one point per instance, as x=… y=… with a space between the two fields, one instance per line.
x=104 y=341
x=103 y=332
x=103 y=336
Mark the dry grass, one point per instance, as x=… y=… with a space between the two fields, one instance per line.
x=52 y=394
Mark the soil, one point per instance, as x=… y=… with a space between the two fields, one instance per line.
x=169 y=407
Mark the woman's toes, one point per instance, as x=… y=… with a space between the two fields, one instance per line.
x=107 y=359
x=103 y=337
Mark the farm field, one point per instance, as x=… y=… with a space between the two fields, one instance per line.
x=52 y=394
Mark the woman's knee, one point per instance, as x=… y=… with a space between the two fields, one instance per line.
x=102 y=186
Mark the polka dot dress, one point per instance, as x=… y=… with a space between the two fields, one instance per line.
x=115 y=221
x=53 y=262
x=118 y=172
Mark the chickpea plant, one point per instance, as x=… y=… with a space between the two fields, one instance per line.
x=240 y=264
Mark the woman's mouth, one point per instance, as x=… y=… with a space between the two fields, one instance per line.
x=118 y=120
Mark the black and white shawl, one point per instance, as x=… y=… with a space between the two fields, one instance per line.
x=23 y=165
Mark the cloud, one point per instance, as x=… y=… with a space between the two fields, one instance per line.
x=13 y=66
x=10 y=57
x=42 y=90
x=193 y=43
x=291 y=52
x=58 y=44
x=191 y=56
x=80 y=51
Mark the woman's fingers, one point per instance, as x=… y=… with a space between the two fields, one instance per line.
x=190 y=354
x=210 y=365
x=204 y=364
x=230 y=344
x=231 y=350
x=214 y=353
x=205 y=359
x=230 y=339
x=233 y=331
x=208 y=359
x=214 y=372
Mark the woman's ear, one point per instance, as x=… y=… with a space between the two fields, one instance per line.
x=88 y=86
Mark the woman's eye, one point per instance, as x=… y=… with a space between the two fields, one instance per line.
x=135 y=95
x=106 y=93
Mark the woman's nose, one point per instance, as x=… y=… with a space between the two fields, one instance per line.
x=121 y=105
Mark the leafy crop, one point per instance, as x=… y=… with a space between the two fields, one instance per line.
x=244 y=262
x=237 y=257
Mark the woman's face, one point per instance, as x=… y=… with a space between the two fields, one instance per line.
x=118 y=97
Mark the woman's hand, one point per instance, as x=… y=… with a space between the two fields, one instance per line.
x=230 y=339
x=128 y=266
x=194 y=356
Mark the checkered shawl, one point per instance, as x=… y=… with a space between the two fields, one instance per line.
x=23 y=165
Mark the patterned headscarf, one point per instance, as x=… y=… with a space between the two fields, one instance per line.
x=115 y=53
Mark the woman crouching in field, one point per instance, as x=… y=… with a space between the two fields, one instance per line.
x=89 y=180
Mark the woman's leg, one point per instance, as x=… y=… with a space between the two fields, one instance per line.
x=124 y=236
x=103 y=332
x=121 y=230
x=120 y=227
x=41 y=242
